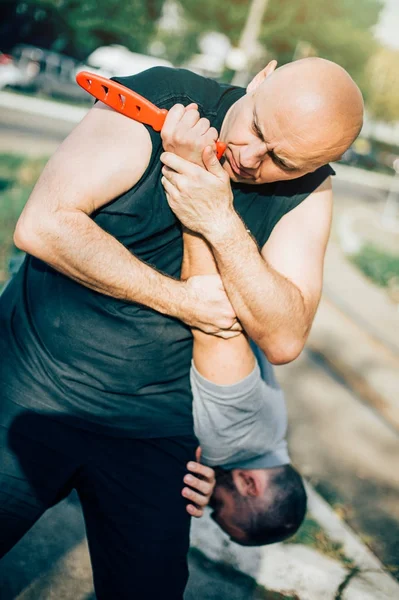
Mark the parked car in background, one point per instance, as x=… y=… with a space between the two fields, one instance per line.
x=10 y=74
x=48 y=72
x=361 y=154
x=54 y=74
x=118 y=60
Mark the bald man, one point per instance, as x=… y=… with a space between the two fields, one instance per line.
x=95 y=328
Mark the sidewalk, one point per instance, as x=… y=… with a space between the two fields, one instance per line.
x=356 y=333
x=325 y=560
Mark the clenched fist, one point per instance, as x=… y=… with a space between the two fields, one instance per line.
x=208 y=308
x=186 y=134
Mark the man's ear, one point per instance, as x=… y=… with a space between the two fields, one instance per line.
x=249 y=482
x=261 y=76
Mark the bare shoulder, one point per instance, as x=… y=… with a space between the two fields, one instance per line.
x=311 y=218
x=297 y=245
x=105 y=155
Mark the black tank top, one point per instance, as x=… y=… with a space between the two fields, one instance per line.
x=110 y=365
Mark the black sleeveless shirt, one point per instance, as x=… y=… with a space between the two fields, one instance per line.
x=113 y=366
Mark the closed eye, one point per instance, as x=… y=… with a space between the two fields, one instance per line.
x=257 y=130
x=277 y=161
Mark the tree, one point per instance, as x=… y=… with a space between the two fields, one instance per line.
x=77 y=27
x=340 y=30
x=382 y=73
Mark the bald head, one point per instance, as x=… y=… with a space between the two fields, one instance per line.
x=292 y=121
x=320 y=101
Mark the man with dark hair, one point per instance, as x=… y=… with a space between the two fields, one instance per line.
x=273 y=515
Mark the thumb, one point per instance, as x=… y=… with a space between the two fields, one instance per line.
x=211 y=161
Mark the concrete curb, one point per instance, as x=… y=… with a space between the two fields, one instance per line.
x=348 y=351
x=292 y=568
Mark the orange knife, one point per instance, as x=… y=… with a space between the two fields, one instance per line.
x=128 y=103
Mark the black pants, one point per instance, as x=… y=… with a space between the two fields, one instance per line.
x=130 y=490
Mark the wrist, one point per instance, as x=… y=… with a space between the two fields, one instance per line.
x=180 y=307
x=224 y=228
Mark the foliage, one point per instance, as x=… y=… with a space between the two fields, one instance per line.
x=77 y=28
x=312 y=535
x=382 y=72
x=18 y=175
x=380 y=266
x=339 y=30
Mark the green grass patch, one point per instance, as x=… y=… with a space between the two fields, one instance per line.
x=380 y=266
x=312 y=535
x=18 y=175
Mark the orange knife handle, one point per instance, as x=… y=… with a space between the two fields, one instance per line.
x=122 y=99
x=220 y=149
x=128 y=102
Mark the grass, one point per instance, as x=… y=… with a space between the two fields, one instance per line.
x=18 y=175
x=380 y=266
x=312 y=535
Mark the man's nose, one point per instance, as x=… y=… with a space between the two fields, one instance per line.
x=252 y=155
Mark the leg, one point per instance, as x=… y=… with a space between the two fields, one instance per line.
x=220 y=361
x=34 y=475
x=136 y=521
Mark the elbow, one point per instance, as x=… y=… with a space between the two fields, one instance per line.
x=20 y=236
x=283 y=353
x=29 y=236
x=24 y=236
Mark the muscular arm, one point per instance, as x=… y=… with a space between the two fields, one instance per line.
x=102 y=158
x=275 y=293
x=95 y=164
x=222 y=361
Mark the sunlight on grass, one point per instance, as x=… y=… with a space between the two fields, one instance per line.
x=18 y=175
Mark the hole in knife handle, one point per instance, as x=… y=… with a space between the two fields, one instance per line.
x=122 y=100
x=89 y=82
x=106 y=89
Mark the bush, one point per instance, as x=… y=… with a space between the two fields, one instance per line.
x=380 y=266
x=18 y=175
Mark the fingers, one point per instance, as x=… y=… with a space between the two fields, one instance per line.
x=194 y=511
x=201 y=470
x=179 y=117
x=226 y=335
x=212 y=163
x=201 y=487
x=236 y=326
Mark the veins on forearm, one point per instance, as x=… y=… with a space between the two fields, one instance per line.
x=266 y=302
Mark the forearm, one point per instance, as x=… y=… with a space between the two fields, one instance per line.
x=222 y=361
x=271 y=308
x=73 y=244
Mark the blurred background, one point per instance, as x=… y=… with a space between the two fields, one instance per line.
x=343 y=392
